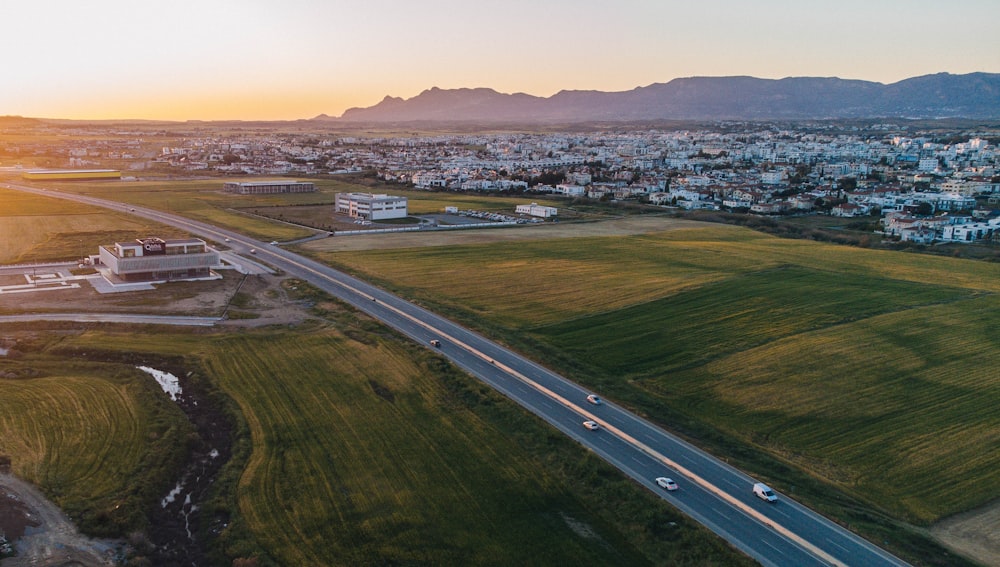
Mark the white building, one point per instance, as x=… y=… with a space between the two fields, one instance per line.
x=536 y=210
x=571 y=190
x=927 y=164
x=158 y=259
x=369 y=206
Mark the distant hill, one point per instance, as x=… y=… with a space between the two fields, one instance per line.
x=943 y=95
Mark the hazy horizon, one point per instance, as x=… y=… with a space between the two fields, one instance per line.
x=258 y=60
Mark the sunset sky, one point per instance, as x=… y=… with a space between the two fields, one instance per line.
x=290 y=59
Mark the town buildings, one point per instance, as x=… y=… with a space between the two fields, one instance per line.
x=820 y=168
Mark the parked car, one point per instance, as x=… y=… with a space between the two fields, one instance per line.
x=591 y=425
x=594 y=399
x=764 y=493
x=667 y=483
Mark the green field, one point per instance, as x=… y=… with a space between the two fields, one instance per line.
x=872 y=371
x=369 y=450
x=100 y=439
x=42 y=229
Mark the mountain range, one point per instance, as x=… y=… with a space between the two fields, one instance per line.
x=942 y=95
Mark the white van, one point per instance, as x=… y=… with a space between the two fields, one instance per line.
x=764 y=493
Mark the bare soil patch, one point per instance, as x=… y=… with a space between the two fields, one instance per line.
x=975 y=534
x=246 y=301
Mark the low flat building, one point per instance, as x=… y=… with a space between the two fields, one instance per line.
x=70 y=174
x=536 y=210
x=369 y=206
x=268 y=187
x=156 y=259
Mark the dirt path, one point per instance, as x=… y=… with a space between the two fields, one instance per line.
x=49 y=538
x=975 y=534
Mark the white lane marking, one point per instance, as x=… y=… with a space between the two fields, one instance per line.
x=838 y=545
x=776 y=550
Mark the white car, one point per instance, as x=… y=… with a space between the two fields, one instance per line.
x=594 y=399
x=274 y=243
x=764 y=493
x=591 y=425
x=667 y=483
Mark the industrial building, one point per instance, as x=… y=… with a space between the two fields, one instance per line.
x=369 y=206
x=151 y=259
x=268 y=187
x=536 y=210
x=71 y=174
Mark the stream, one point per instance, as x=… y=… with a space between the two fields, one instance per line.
x=177 y=520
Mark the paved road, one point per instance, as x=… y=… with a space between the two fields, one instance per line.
x=713 y=493
x=113 y=318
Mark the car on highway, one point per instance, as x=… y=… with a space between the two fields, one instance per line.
x=594 y=399
x=591 y=425
x=764 y=493
x=253 y=250
x=227 y=240
x=667 y=483
x=436 y=343
x=274 y=243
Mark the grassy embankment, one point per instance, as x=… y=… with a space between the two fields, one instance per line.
x=870 y=372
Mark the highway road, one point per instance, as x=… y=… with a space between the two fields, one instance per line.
x=713 y=493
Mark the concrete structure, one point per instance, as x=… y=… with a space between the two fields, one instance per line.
x=536 y=210
x=157 y=259
x=70 y=174
x=369 y=206
x=268 y=187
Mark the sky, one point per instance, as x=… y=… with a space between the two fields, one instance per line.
x=292 y=59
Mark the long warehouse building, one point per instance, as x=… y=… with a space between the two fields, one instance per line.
x=268 y=187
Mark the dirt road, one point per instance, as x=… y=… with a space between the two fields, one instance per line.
x=49 y=538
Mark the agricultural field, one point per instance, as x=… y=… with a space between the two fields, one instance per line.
x=98 y=438
x=40 y=229
x=871 y=371
x=363 y=448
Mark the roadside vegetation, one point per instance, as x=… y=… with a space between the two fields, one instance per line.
x=356 y=447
